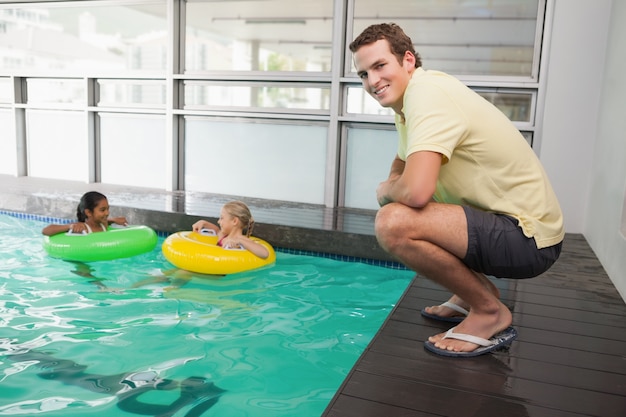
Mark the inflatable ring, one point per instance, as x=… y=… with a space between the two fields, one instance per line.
x=115 y=243
x=198 y=252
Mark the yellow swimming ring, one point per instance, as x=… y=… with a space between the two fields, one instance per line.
x=199 y=253
x=115 y=243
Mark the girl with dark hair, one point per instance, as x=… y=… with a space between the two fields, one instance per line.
x=92 y=214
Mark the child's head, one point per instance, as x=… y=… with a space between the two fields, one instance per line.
x=399 y=42
x=89 y=201
x=240 y=211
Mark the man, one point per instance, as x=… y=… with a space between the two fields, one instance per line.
x=466 y=196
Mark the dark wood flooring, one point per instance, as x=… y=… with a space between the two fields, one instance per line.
x=569 y=358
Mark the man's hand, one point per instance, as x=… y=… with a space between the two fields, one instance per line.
x=412 y=183
x=382 y=192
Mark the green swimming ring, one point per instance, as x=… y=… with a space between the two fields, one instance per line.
x=115 y=243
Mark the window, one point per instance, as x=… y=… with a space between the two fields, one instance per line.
x=268 y=36
x=82 y=36
x=131 y=93
x=62 y=91
x=269 y=96
x=6 y=90
x=476 y=38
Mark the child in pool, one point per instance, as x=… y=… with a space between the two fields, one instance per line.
x=235 y=218
x=92 y=214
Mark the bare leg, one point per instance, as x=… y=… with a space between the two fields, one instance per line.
x=432 y=241
x=84 y=270
x=443 y=311
x=176 y=277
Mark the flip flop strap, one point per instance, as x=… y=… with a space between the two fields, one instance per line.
x=467 y=338
x=456 y=308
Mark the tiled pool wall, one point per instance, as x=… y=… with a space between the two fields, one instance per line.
x=295 y=251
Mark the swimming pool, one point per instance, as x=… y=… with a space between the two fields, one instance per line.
x=121 y=338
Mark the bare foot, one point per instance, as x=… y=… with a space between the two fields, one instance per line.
x=484 y=325
x=443 y=311
x=448 y=312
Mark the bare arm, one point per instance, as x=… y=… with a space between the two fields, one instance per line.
x=204 y=224
x=55 y=229
x=248 y=244
x=412 y=183
x=117 y=220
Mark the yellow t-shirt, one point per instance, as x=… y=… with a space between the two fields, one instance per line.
x=486 y=162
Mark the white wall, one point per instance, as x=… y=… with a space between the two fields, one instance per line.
x=576 y=58
x=584 y=141
x=608 y=169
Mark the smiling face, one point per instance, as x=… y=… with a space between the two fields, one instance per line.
x=226 y=221
x=383 y=77
x=99 y=214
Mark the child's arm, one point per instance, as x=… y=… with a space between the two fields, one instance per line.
x=117 y=220
x=54 y=229
x=204 y=224
x=248 y=244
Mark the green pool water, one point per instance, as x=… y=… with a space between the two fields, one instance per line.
x=128 y=337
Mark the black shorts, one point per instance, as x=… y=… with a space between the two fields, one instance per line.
x=497 y=246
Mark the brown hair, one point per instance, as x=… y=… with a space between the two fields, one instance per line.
x=240 y=211
x=398 y=41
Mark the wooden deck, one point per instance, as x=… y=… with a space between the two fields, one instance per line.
x=569 y=358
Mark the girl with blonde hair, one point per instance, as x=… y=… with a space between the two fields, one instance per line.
x=235 y=228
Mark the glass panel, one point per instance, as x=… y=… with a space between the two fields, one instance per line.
x=132 y=150
x=124 y=93
x=271 y=35
x=201 y=94
x=57 y=147
x=369 y=156
x=8 y=148
x=359 y=102
x=481 y=37
x=6 y=90
x=256 y=159
x=81 y=36
x=516 y=106
x=529 y=137
x=46 y=90
x=287 y=214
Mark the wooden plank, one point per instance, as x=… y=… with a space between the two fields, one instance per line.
x=570 y=324
x=408 y=348
x=582 y=304
x=415 y=304
x=436 y=400
x=486 y=374
x=347 y=406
